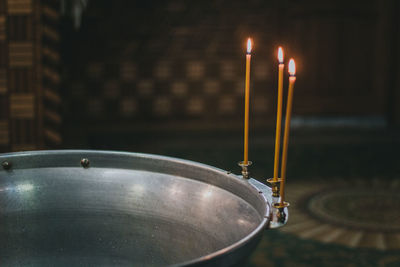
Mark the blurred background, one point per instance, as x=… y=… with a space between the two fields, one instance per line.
x=167 y=77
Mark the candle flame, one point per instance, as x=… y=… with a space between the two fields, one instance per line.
x=292 y=67
x=280 y=55
x=249 y=46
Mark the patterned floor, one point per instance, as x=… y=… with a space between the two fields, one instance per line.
x=336 y=222
x=358 y=213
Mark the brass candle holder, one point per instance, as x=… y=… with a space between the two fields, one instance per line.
x=275 y=186
x=281 y=211
x=279 y=206
x=245 y=169
x=278 y=209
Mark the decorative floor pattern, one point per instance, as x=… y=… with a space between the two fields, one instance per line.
x=357 y=213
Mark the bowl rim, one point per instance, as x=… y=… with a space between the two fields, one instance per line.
x=52 y=155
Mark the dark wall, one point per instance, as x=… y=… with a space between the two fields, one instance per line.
x=135 y=63
x=173 y=60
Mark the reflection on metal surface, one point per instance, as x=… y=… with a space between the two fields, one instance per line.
x=23 y=187
x=19 y=188
x=138 y=189
x=207 y=194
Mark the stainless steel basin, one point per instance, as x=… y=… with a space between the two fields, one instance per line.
x=116 y=208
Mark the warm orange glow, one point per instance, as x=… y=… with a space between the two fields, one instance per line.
x=292 y=67
x=249 y=46
x=280 y=55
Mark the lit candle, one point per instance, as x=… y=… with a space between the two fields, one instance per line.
x=246 y=106
x=292 y=79
x=278 y=113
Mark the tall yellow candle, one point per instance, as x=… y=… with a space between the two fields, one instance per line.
x=278 y=114
x=246 y=106
x=292 y=79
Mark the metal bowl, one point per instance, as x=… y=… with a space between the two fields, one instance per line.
x=99 y=208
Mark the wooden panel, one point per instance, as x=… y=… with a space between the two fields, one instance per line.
x=20 y=28
x=22 y=106
x=4 y=133
x=53 y=117
x=20 y=80
x=22 y=131
x=3 y=54
x=3 y=32
x=18 y=7
x=23 y=147
x=4 y=110
x=51 y=33
x=21 y=74
x=51 y=74
x=53 y=136
x=50 y=108
x=20 y=54
x=3 y=81
x=50 y=12
x=51 y=96
x=50 y=54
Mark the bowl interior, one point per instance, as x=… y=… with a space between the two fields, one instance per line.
x=69 y=215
